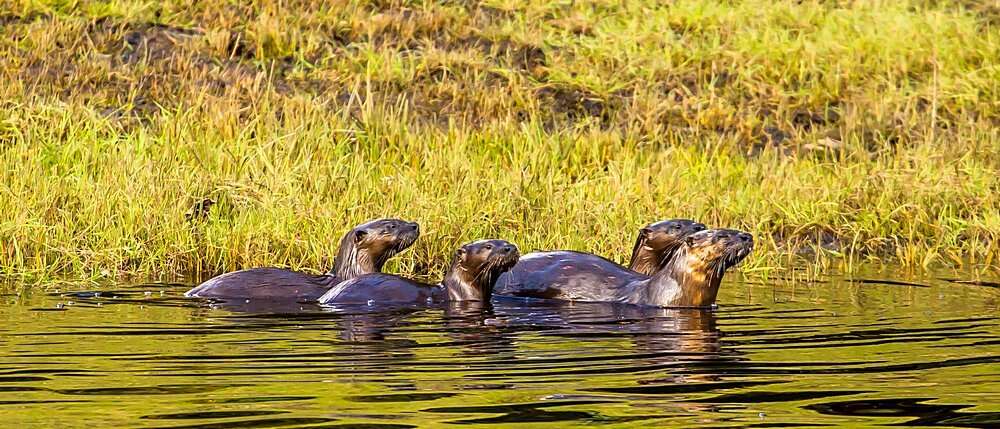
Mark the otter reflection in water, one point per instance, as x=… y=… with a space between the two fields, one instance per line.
x=690 y=279
x=666 y=346
x=364 y=249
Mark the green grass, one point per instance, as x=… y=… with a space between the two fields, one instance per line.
x=837 y=132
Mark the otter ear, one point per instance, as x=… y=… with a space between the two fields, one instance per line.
x=645 y=232
x=359 y=235
x=460 y=254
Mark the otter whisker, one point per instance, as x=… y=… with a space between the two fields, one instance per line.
x=669 y=254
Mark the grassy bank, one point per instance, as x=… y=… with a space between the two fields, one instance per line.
x=836 y=132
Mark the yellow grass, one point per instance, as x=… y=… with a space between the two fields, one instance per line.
x=838 y=133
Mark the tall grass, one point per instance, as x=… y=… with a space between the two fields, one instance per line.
x=839 y=133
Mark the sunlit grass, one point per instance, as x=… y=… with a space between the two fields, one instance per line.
x=839 y=133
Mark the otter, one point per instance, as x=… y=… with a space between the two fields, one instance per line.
x=364 y=249
x=690 y=279
x=657 y=242
x=654 y=247
x=471 y=277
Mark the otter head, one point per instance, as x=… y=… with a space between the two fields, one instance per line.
x=367 y=247
x=701 y=262
x=476 y=267
x=658 y=242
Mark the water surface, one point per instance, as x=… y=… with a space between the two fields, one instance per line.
x=864 y=352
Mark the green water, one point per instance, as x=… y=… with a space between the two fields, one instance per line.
x=784 y=354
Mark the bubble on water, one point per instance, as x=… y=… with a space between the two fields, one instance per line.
x=371 y=302
x=148 y=293
x=60 y=305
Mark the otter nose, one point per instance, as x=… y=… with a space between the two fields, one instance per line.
x=507 y=249
x=415 y=226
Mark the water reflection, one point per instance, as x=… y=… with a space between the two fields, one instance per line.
x=926 y=414
x=850 y=353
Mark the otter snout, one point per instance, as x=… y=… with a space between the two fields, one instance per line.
x=411 y=229
x=736 y=238
x=741 y=244
x=506 y=250
x=505 y=253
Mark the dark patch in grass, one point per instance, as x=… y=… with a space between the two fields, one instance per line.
x=199 y=210
x=807 y=120
x=239 y=47
x=10 y=18
x=774 y=136
x=150 y=42
x=574 y=103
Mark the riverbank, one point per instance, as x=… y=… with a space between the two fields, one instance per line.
x=836 y=134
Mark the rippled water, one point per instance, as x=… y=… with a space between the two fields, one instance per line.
x=785 y=354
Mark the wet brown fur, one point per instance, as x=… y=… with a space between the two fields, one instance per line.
x=657 y=242
x=690 y=279
x=471 y=277
x=364 y=249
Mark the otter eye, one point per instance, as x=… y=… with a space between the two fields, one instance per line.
x=677 y=227
x=489 y=247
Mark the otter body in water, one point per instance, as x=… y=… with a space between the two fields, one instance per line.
x=363 y=250
x=471 y=277
x=654 y=247
x=690 y=279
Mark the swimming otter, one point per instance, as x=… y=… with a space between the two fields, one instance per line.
x=364 y=249
x=654 y=247
x=471 y=277
x=691 y=279
x=657 y=242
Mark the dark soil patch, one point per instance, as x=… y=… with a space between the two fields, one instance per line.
x=574 y=103
x=524 y=57
x=774 y=136
x=152 y=42
x=807 y=120
x=10 y=18
x=503 y=52
x=239 y=48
